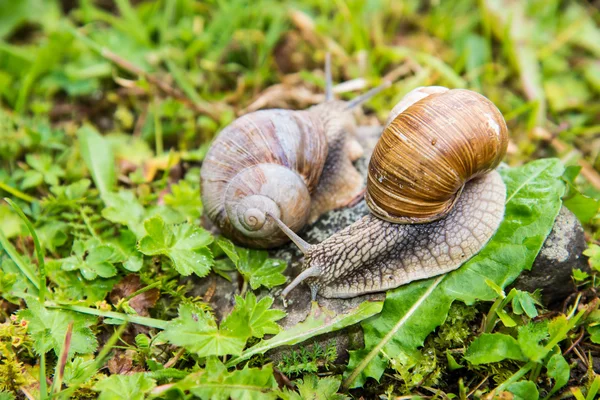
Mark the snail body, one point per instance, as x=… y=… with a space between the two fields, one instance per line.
x=433 y=192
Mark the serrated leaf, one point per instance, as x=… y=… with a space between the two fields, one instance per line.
x=92 y=259
x=185 y=199
x=214 y=382
x=124 y=387
x=413 y=311
x=494 y=347
x=185 y=244
x=530 y=336
x=197 y=331
x=259 y=270
x=256 y=318
x=319 y=321
x=49 y=327
x=99 y=158
x=315 y=388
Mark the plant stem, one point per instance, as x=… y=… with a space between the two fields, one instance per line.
x=158 y=134
x=19 y=261
x=38 y=250
x=17 y=193
x=136 y=319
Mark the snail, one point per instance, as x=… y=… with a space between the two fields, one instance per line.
x=433 y=192
x=293 y=165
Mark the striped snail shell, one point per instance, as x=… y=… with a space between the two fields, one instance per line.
x=265 y=161
x=434 y=142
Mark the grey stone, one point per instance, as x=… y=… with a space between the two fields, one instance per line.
x=560 y=255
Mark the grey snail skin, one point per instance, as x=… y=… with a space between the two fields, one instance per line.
x=293 y=165
x=433 y=192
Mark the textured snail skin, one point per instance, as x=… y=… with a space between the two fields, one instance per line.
x=373 y=255
x=429 y=150
x=295 y=165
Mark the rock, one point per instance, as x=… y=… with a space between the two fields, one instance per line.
x=561 y=254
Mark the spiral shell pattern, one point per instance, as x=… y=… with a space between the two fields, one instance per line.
x=429 y=150
x=266 y=161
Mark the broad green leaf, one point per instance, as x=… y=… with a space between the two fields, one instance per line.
x=185 y=244
x=256 y=318
x=98 y=157
x=494 y=347
x=524 y=390
x=124 y=387
x=48 y=329
x=319 y=321
x=559 y=370
x=315 y=388
x=197 y=331
x=216 y=383
x=413 y=311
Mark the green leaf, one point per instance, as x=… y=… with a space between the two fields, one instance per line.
x=259 y=270
x=98 y=157
x=524 y=390
x=124 y=387
x=594 y=331
x=524 y=302
x=256 y=318
x=413 y=311
x=49 y=327
x=559 y=370
x=185 y=244
x=124 y=208
x=185 y=199
x=197 y=331
x=93 y=259
x=494 y=347
x=530 y=337
x=216 y=383
x=584 y=207
x=319 y=321
x=315 y=388
x=593 y=252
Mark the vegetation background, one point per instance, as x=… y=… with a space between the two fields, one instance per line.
x=107 y=109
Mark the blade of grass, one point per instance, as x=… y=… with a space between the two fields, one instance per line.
x=23 y=266
x=38 y=250
x=16 y=193
x=136 y=319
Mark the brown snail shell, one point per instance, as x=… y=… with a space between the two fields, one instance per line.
x=266 y=161
x=428 y=151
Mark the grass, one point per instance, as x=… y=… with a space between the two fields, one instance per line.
x=107 y=109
